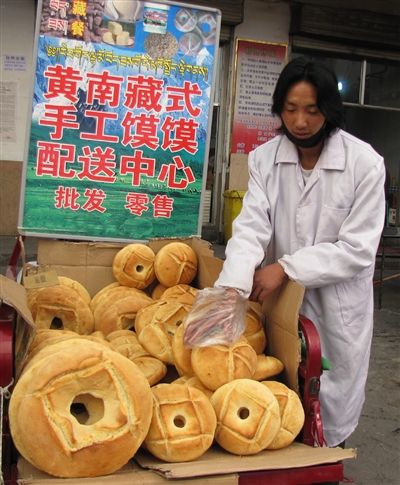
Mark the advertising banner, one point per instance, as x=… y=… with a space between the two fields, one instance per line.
x=257 y=65
x=121 y=118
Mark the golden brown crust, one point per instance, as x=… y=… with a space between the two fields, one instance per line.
x=152 y=368
x=78 y=287
x=175 y=263
x=291 y=412
x=63 y=303
x=118 y=307
x=183 y=423
x=126 y=343
x=194 y=381
x=182 y=356
x=64 y=281
x=157 y=291
x=100 y=294
x=254 y=331
x=267 y=366
x=116 y=399
x=45 y=337
x=156 y=325
x=219 y=364
x=133 y=266
x=248 y=417
x=183 y=293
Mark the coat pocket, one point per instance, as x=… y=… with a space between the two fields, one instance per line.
x=355 y=298
x=329 y=224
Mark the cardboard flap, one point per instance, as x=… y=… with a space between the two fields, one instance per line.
x=208 y=271
x=86 y=262
x=282 y=317
x=91 y=263
x=130 y=474
x=13 y=294
x=217 y=461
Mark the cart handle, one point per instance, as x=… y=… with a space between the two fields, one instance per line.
x=310 y=371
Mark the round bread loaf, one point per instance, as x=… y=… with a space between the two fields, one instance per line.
x=100 y=294
x=194 y=381
x=47 y=336
x=156 y=325
x=78 y=287
x=175 y=263
x=80 y=411
x=183 y=293
x=126 y=343
x=254 y=331
x=133 y=266
x=267 y=366
x=62 y=307
x=63 y=281
x=218 y=364
x=291 y=412
x=121 y=333
x=248 y=418
x=182 y=356
x=152 y=368
x=118 y=307
x=183 y=423
x=157 y=291
x=44 y=338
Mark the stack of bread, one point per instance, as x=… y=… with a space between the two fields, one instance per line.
x=98 y=365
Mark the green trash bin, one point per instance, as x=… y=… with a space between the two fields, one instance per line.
x=233 y=200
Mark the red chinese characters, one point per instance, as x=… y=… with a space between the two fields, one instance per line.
x=154 y=117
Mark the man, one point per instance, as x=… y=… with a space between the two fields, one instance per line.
x=313 y=213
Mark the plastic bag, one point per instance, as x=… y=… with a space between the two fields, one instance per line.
x=217 y=317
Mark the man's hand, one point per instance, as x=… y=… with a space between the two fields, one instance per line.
x=266 y=280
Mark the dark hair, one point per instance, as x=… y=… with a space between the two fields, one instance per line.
x=319 y=75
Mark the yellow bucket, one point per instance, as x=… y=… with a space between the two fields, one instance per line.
x=233 y=200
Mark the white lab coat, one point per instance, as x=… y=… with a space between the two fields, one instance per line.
x=325 y=234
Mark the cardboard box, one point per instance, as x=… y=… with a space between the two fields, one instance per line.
x=14 y=295
x=130 y=474
x=90 y=263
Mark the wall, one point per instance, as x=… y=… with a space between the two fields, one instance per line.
x=17 y=22
x=265 y=20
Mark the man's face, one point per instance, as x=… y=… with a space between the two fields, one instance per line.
x=300 y=113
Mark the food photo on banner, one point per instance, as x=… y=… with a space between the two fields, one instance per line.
x=121 y=119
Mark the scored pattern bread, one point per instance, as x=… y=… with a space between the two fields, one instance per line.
x=183 y=293
x=182 y=356
x=248 y=418
x=127 y=325
x=218 y=364
x=291 y=412
x=118 y=307
x=133 y=266
x=86 y=406
x=183 y=423
x=156 y=325
x=64 y=305
x=254 y=331
x=126 y=343
x=175 y=263
x=267 y=366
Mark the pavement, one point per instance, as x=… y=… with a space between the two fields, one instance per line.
x=377 y=438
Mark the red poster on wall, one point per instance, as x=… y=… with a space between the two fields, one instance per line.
x=257 y=65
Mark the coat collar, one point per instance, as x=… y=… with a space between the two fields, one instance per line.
x=332 y=156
